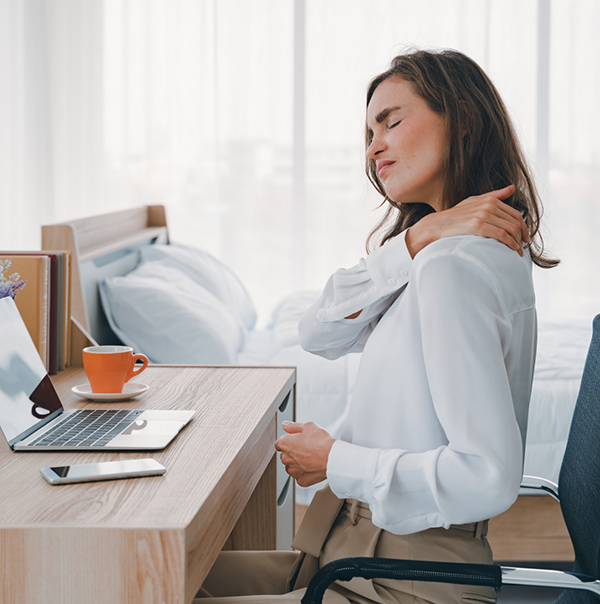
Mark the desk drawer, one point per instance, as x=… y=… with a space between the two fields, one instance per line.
x=286 y=412
x=285 y=515
x=285 y=483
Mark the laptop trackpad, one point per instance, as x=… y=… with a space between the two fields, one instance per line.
x=146 y=431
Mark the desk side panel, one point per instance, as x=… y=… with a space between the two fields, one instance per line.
x=246 y=492
x=256 y=528
x=70 y=566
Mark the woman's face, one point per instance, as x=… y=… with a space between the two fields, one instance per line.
x=408 y=144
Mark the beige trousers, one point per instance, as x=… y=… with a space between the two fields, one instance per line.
x=333 y=529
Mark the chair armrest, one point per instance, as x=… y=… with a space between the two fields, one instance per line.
x=534 y=483
x=345 y=569
x=442 y=572
x=536 y=577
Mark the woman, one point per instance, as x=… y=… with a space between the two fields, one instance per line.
x=433 y=443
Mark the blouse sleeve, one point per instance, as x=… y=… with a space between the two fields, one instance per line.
x=466 y=333
x=370 y=287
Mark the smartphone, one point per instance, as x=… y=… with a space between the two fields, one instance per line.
x=106 y=470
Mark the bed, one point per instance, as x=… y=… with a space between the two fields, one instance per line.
x=123 y=261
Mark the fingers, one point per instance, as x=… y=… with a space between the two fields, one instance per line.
x=504 y=193
x=294 y=468
x=292 y=427
x=509 y=235
x=286 y=459
x=525 y=232
x=489 y=209
x=283 y=443
x=510 y=219
x=505 y=230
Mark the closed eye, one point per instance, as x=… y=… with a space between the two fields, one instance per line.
x=394 y=125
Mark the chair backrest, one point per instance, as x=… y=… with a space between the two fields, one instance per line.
x=579 y=479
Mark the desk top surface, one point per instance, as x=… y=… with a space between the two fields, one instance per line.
x=234 y=405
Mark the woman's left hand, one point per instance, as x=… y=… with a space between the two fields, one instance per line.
x=305 y=452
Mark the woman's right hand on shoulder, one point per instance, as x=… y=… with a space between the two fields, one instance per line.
x=484 y=215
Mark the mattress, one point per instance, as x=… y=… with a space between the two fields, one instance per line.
x=561 y=352
x=324 y=388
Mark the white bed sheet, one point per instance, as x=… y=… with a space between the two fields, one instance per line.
x=324 y=388
x=561 y=352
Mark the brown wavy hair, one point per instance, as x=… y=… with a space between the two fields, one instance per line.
x=486 y=158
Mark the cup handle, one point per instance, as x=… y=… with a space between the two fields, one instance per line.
x=132 y=370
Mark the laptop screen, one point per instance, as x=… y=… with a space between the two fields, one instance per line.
x=28 y=399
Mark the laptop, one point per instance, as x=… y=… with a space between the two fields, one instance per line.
x=32 y=417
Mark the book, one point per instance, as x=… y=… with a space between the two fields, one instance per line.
x=67 y=310
x=59 y=305
x=33 y=301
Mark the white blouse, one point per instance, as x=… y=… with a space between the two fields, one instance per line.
x=436 y=429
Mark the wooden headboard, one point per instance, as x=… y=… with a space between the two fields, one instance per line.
x=103 y=246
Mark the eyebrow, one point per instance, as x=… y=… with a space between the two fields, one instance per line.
x=384 y=113
x=380 y=117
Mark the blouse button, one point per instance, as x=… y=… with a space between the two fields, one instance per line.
x=391 y=281
x=403 y=272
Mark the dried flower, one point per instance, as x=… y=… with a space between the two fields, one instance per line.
x=9 y=286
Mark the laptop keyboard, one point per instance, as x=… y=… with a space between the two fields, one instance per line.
x=88 y=427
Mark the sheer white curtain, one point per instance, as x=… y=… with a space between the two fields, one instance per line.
x=245 y=118
x=51 y=147
x=573 y=196
x=198 y=116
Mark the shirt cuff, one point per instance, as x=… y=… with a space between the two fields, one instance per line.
x=351 y=470
x=389 y=266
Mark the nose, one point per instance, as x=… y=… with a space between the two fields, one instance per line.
x=376 y=147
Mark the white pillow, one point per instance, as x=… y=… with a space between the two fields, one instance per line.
x=159 y=311
x=209 y=273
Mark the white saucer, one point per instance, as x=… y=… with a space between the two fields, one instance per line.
x=130 y=390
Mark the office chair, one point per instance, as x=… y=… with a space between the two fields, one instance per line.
x=578 y=492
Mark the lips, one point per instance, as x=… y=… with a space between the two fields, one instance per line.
x=383 y=165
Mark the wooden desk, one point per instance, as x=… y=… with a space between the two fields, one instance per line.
x=148 y=539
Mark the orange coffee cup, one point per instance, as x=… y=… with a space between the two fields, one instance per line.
x=109 y=367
